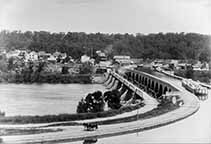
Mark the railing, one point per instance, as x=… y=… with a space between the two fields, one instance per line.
x=130 y=85
x=137 y=87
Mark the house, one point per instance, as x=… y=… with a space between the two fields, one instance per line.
x=14 y=53
x=53 y=68
x=183 y=66
x=201 y=66
x=42 y=55
x=197 y=66
x=122 y=60
x=56 y=54
x=52 y=59
x=63 y=55
x=32 y=56
x=60 y=56
x=137 y=61
x=205 y=66
x=85 y=58
x=101 y=56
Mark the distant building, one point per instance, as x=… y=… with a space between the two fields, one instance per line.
x=14 y=53
x=201 y=66
x=137 y=61
x=53 y=68
x=85 y=58
x=122 y=60
x=52 y=59
x=59 y=56
x=56 y=54
x=101 y=56
x=32 y=56
x=42 y=55
x=183 y=66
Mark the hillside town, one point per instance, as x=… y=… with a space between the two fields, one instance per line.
x=60 y=63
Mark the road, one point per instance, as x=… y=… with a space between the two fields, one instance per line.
x=73 y=133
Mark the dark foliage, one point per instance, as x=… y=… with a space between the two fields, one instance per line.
x=66 y=117
x=75 y=44
x=113 y=99
x=93 y=103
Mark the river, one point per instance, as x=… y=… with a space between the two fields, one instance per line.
x=42 y=99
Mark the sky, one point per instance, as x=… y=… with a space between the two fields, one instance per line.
x=107 y=16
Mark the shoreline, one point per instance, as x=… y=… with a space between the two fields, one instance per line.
x=65 y=117
x=48 y=79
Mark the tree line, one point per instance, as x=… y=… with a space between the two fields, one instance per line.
x=152 y=46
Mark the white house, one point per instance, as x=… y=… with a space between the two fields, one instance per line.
x=51 y=58
x=14 y=53
x=32 y=56
x=85 y=58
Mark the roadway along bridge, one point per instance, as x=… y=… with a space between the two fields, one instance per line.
x=156 y=87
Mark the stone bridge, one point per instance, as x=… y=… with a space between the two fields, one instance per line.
x=134 y=82
x=153 y=85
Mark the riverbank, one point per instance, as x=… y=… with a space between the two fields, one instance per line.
x=29 y=131
x=51 y=78
x=66 y=117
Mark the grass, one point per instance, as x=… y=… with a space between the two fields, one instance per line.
x=9 y=132
x=65 y=117
x=161 y=109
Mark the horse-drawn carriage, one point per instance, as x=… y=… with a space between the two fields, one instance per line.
x=90 y=126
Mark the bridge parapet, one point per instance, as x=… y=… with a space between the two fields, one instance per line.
x=138 y=82
x=128 y=84
x=152 y=84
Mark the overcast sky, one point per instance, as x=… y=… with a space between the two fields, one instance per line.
x=108 y=16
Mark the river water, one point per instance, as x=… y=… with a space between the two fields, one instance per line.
x=41 y=99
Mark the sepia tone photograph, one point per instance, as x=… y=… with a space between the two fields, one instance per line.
x=105 y=71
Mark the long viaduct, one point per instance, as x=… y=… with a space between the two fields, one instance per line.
x=154 y=86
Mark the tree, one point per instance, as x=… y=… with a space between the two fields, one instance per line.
x=93 y=102
x=113 y=99
x=11 y=63
x=65 y=70
x=189 y=72
x=86 y=68
x=169 y=45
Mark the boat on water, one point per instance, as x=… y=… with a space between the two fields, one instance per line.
x=194 y=87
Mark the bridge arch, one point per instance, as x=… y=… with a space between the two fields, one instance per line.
x=160 y=92
x=145 y=81
x=156 y=87
x=137 y=77
x=140 y=78
x=165 y=90
x=149 y=83
x=152 y=85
